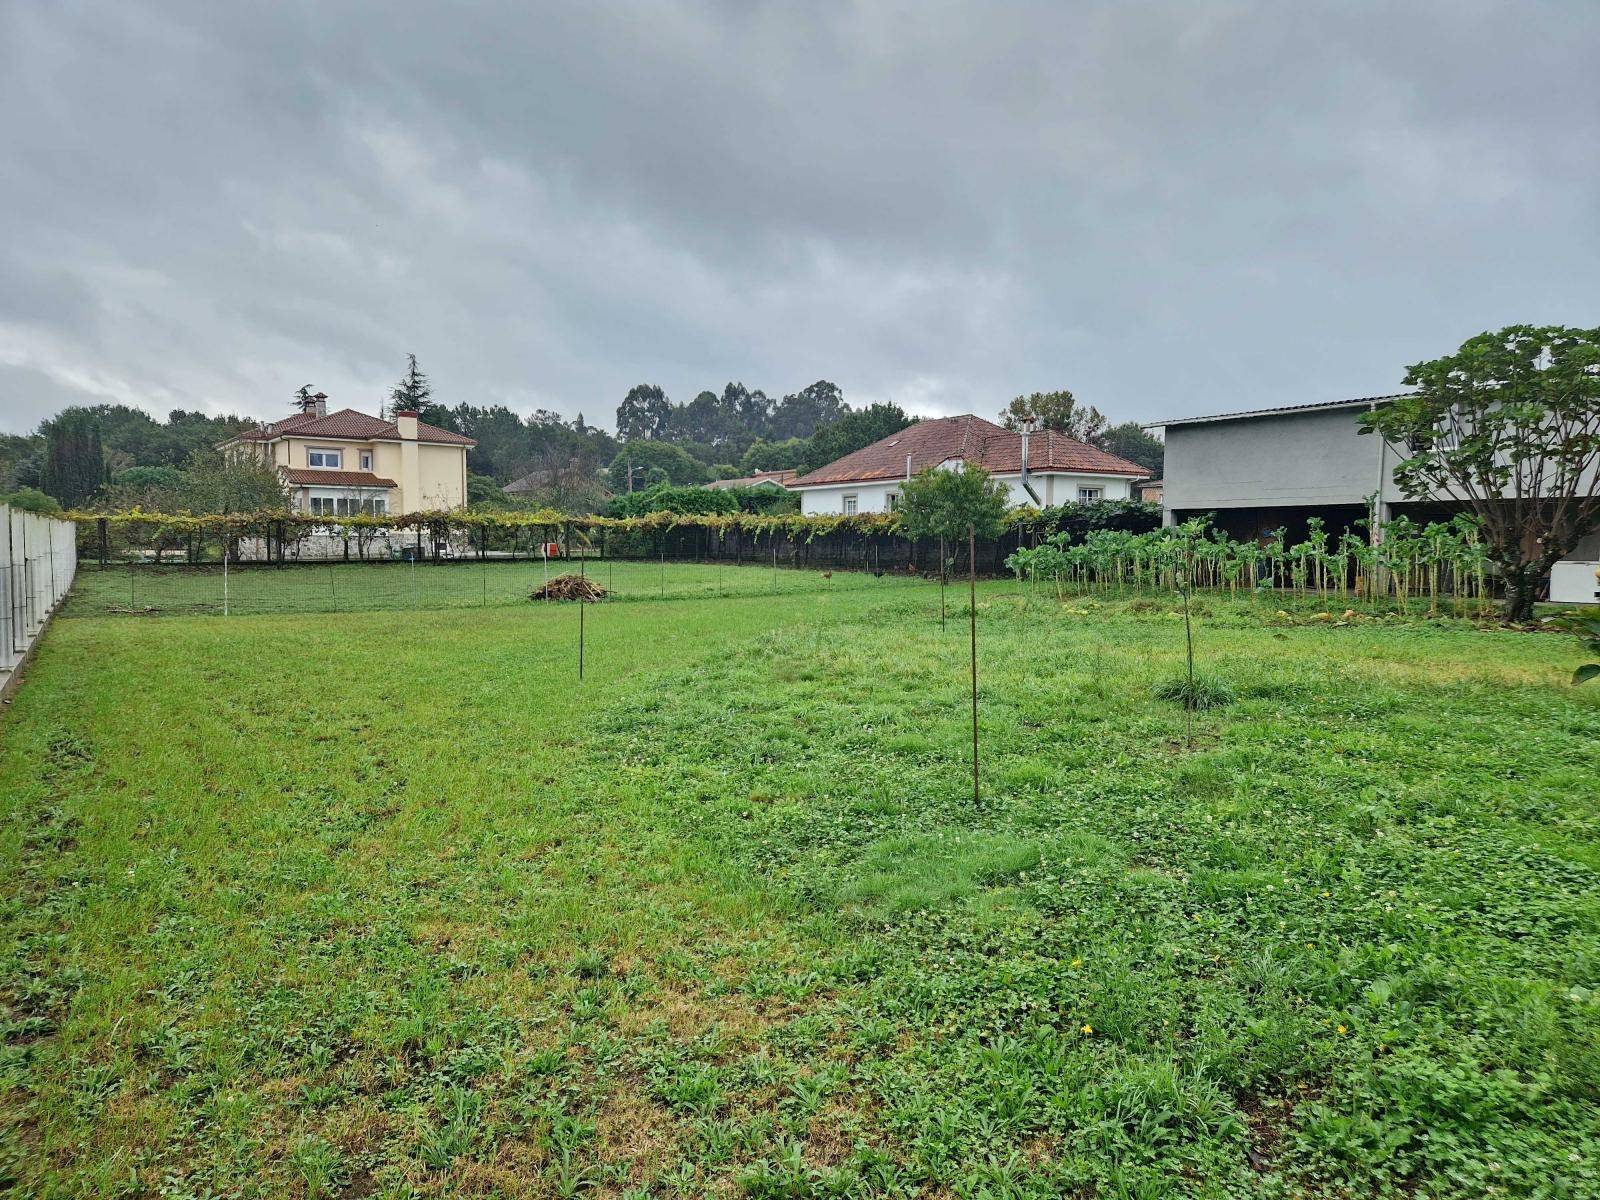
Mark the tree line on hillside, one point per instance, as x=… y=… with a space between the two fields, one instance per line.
x=114 y=455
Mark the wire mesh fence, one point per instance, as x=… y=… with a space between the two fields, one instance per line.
x=231 y=589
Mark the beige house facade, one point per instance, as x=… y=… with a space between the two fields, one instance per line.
x=346 y=462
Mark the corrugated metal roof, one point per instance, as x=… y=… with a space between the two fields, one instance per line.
x=1360 y=402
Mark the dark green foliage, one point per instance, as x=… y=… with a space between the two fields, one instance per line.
x=74 y=458
x=644 y=464
x=30 y=500
x=212 y=484
x=1509 y=424
x=947 y=504
x=851 y=432
x=1135 y=445
x=485 y=492
x=644 y=413
x=415 y=393
x=772 y=456
x=1054 y=410
x=1080 y=520
x=665 y=498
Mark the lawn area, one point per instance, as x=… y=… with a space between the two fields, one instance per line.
x=361 y=587
x=385 y=904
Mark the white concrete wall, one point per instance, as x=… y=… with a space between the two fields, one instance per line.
x=1053 y=488
x=38 y=559
x=1573 y=581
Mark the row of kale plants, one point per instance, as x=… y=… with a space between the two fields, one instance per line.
x=1407 y=561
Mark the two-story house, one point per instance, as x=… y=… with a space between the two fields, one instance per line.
x=347 y=462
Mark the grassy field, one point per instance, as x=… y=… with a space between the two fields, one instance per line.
x=385 y=904
x=148 y=590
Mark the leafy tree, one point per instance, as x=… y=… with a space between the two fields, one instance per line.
x=1510 y=426
x=1057 y=410
x=32 y=500
x=213 y=484
x=772 y=456
x=74 y=458
x=851 y=432
x=639 y=465
x=941 y=502
x=802 y=413
x=1135 y=445
x=148 y=477
x=154 y=489
x=666 y=498
x=483 y=491
x=644 y=413
x=21 y=460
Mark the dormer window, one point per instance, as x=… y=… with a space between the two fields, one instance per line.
x=325 y=458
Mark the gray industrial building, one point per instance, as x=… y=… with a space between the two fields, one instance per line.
x=1255 y=472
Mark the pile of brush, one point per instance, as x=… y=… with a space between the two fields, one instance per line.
x=569 y=587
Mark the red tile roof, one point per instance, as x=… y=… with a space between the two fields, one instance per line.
x=781 y=478
x=990 y=446
x=352 y=425
x=320 y=477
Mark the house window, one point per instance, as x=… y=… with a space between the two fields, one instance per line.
x=894 y=501
x=849 y=506
x=325 y=458
x=1089 y=495
x=366 y=460
x=378 y=505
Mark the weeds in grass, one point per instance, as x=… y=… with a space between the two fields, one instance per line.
x=1196 y=693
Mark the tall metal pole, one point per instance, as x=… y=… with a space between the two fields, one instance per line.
x=583 y=601
x=972 y=611
x=942 y=561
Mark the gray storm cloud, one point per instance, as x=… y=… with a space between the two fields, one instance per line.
x=1168 y=208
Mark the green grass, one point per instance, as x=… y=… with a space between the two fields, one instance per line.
x=147 y=590
x=385 y=904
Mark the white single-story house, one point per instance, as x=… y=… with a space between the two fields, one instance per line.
x=1043 y=469
x=1265 y=469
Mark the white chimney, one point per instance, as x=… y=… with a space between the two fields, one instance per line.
x=405 y=420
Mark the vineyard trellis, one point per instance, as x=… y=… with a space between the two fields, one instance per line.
x=1114 y=547
x=1408 y=561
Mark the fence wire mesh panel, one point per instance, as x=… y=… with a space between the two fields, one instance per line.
x=148 y=589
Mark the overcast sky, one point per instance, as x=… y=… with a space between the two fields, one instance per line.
x=1169 y=208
